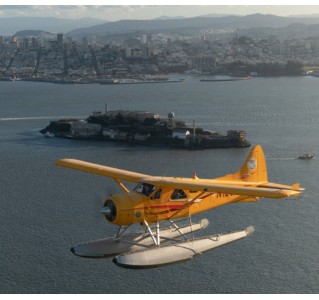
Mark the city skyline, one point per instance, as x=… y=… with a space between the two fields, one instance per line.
x=137 y=9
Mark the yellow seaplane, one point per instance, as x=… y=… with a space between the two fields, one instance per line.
x=157 y=199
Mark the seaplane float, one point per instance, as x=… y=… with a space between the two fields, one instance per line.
x=157 y=200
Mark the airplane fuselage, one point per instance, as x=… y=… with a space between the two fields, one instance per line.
x=164 y=204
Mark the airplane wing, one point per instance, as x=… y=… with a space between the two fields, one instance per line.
x=101 y=170
x=268 y=190
x=279 y=191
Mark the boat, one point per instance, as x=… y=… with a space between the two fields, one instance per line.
x=305 y=156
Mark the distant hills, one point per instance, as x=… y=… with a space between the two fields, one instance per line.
x=173 y=25
x=89 y=26
x=37 y=33
x=9 y=26
x=168 y=18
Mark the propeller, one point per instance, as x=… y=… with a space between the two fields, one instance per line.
x=109 y=210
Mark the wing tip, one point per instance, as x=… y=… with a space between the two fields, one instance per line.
x=62 y=161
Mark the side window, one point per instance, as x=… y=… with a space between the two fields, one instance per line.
x=138 y=188
x=158 y=194
x=147 y=189
x=178 y=194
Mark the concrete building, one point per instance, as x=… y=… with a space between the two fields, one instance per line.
x=204 y=63
x=60 y=41
x=82 y=129
x=181 y=133
x=1 y=41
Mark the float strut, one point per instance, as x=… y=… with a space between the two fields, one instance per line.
x=151 y=233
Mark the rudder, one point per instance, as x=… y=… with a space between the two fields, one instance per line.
x=254 y=168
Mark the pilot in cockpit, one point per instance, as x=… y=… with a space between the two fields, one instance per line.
x=145 y=188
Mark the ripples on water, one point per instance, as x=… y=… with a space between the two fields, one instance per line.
x=45 y=210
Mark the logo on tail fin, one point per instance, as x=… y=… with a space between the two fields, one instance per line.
x=252 y=164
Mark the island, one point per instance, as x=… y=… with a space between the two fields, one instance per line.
x=143 y=127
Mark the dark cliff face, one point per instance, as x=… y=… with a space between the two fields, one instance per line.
x=61 y=126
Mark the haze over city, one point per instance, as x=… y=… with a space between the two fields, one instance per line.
x=137 y=9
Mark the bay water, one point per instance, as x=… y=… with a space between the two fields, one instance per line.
x=45 y=209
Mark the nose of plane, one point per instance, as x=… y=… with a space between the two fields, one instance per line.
x=109 y=210
x=106 y=211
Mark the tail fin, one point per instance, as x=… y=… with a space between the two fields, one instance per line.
x=254 y=169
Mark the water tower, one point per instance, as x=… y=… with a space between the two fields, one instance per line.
x=171 y=120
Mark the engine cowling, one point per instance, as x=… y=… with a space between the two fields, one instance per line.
x=124 y=209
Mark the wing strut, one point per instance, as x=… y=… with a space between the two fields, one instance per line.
x=122 y=185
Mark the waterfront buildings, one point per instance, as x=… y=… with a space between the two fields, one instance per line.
x=56 y=55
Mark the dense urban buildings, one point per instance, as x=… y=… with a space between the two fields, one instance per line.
x=37 y=55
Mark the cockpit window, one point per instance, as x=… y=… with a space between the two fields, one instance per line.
x=138 y=188
x=144 y=188
x=158 y=194
x=178 y=194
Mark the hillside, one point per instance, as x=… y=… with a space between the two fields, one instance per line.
x=9 y=26
x=233 y=22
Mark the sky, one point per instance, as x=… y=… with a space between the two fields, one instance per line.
x=141 y=9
